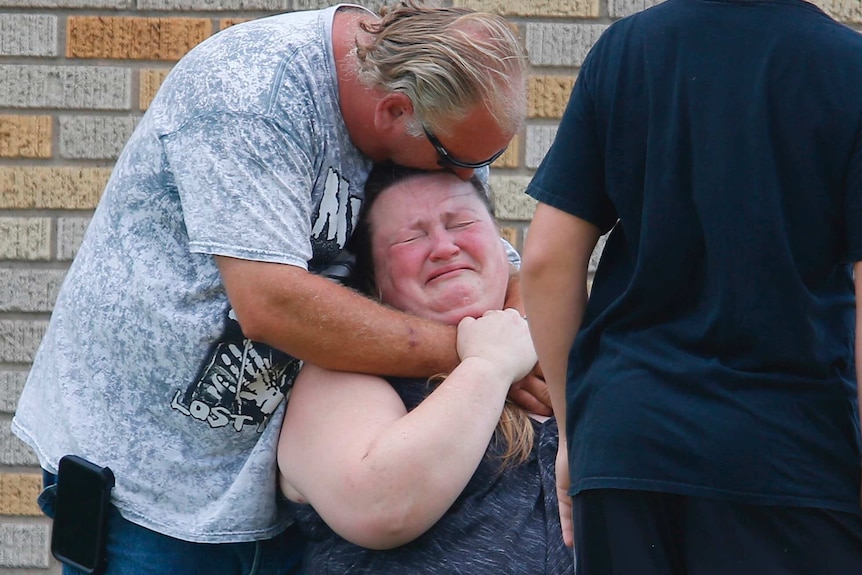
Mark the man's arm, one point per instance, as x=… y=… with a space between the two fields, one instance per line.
x=857 y=278
x=316 y=320
x=554 y=283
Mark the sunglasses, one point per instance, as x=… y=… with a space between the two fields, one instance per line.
x=447 y=160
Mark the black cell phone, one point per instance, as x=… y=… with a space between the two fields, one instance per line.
x=81 y=513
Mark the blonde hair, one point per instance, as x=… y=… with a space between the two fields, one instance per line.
x=447 y=61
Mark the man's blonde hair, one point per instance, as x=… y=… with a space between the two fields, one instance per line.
x=447 y=61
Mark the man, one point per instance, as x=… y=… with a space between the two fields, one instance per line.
x=172 y=343
x=708 y=384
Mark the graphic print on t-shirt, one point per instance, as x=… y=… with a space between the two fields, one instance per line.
x=334 y=221
x=241 y=384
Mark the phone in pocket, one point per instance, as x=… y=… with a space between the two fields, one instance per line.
x=81 y=513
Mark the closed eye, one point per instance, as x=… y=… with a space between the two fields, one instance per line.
x=411 y=238
x=461 y=224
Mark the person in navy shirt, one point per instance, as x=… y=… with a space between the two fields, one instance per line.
x=706 y=388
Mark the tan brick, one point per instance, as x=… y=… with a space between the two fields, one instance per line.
x=151 y=81
x=228 y=22
x=25 y=136
x=547 y=96
x=539 y=8
x=510 y=234
x=18 y=493
x=25 y=239
x=51 y=187
x=511 y=157
x=132 y=38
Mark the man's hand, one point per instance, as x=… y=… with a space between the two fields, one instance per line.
x=531 y=393
x=500 y=338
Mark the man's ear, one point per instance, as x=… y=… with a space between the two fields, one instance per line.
x=392 y=112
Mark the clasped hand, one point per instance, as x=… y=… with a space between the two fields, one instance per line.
x=501 y=337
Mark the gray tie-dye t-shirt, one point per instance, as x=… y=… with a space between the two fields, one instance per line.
x=143 y=368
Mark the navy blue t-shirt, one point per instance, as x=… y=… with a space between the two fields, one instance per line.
x=721 y=141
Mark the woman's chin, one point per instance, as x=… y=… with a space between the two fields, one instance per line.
x=453 y=316
x=454 y=305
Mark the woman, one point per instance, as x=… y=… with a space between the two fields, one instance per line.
x=405 y=477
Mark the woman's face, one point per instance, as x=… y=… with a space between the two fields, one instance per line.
x=436 y=250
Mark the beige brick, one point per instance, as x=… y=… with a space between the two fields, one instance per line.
x=25 y=136
x=132 y=38
x=539 y=141
x=18 y=493
x=11 y=386
x=19 y=340
x=560 y=44
x=25 y=544
x=373 y=5
x=513 y=205
x=25 y=239
x=849 y=11
x=68 y=87
x=511 y=157
x=539 y=8
x=70 y=235
x=37 y=187
x=93 y=137
x=623 y=8
x=547 y=96
x=151 y=81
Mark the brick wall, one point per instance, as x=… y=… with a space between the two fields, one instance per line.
x=75 y=77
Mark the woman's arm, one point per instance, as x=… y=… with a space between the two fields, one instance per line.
x=378 y=475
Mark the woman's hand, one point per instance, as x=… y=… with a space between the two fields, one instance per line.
x=500 y=337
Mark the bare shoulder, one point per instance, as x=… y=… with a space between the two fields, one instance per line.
x=343 y=391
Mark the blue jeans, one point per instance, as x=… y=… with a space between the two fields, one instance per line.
x=135 y=550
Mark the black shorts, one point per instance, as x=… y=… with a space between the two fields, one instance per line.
x=620 y=532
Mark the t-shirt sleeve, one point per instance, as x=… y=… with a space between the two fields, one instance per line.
x=571 y=175
x=245 y=188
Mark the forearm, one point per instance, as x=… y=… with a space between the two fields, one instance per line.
x=414 y=472
x=555 y=308
x=554 y=286
x=316 y=320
